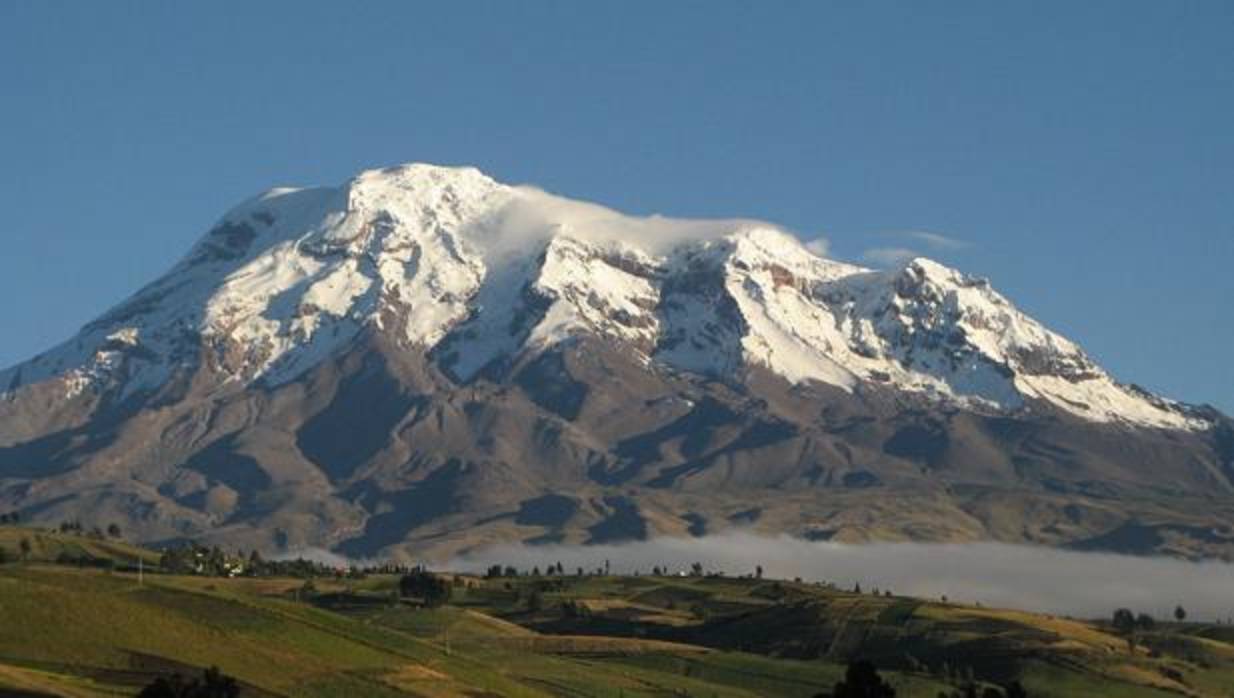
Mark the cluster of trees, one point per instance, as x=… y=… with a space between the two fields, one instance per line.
x=212 y=684
x=384 y=568
x=84 y=559
x=1126 y=621
x=575 y=609
x=1130 y=624
x=23 y=548
x=76 y=527
x=497 y=571
x=556 y=569
x=862 y=680
x=696 y=569
x=875 y=591
x=257 y=566
x=212 y=561
x=192 y=558
x=971 y=690
x=965 y=680
x=430 y=589
x=12 y=518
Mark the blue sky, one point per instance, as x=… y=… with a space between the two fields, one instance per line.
x=1081 y=155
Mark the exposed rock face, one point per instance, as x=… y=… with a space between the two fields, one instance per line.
x=425 y=360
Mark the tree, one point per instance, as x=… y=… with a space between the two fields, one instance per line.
x=173 y=686
x=696 y=569
x=1180 y=614
x=257 y=565
x=861 y=680
x=212 y=684
x=24 y=545
x=758 y=571
x=1145 y=622
x=535 y=601
x=426 y=586
x=575 y=609
x=1124 y=621
x=219 y=685
x=113 y=530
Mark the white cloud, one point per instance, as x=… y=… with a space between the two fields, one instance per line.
x=819 y=246
x=888 y=257
x=535 y=215
x=936 y=241
x=892 y=256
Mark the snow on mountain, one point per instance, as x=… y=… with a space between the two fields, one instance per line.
x=449 y=261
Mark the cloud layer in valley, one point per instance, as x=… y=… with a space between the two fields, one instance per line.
x=994 y=574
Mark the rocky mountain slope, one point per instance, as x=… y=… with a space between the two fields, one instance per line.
x=424 y=360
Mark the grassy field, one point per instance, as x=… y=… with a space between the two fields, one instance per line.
x=91 y=631
x=48 y=546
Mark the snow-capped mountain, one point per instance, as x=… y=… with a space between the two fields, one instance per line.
x=449 y=261
x=425 y=361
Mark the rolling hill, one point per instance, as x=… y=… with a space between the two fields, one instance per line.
x=89 y=632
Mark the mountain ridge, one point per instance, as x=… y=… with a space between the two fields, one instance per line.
x=426 y=361
x=293 y=274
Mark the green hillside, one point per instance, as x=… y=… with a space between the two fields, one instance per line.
x=79 y=548
x=93 y=631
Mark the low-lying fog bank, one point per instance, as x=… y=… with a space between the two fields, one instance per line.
x=994 y=574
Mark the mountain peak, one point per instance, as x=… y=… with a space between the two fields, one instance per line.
x=438 y=257
x=421 y=183
x=421 y=357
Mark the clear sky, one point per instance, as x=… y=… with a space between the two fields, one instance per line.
x=1080 y=154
